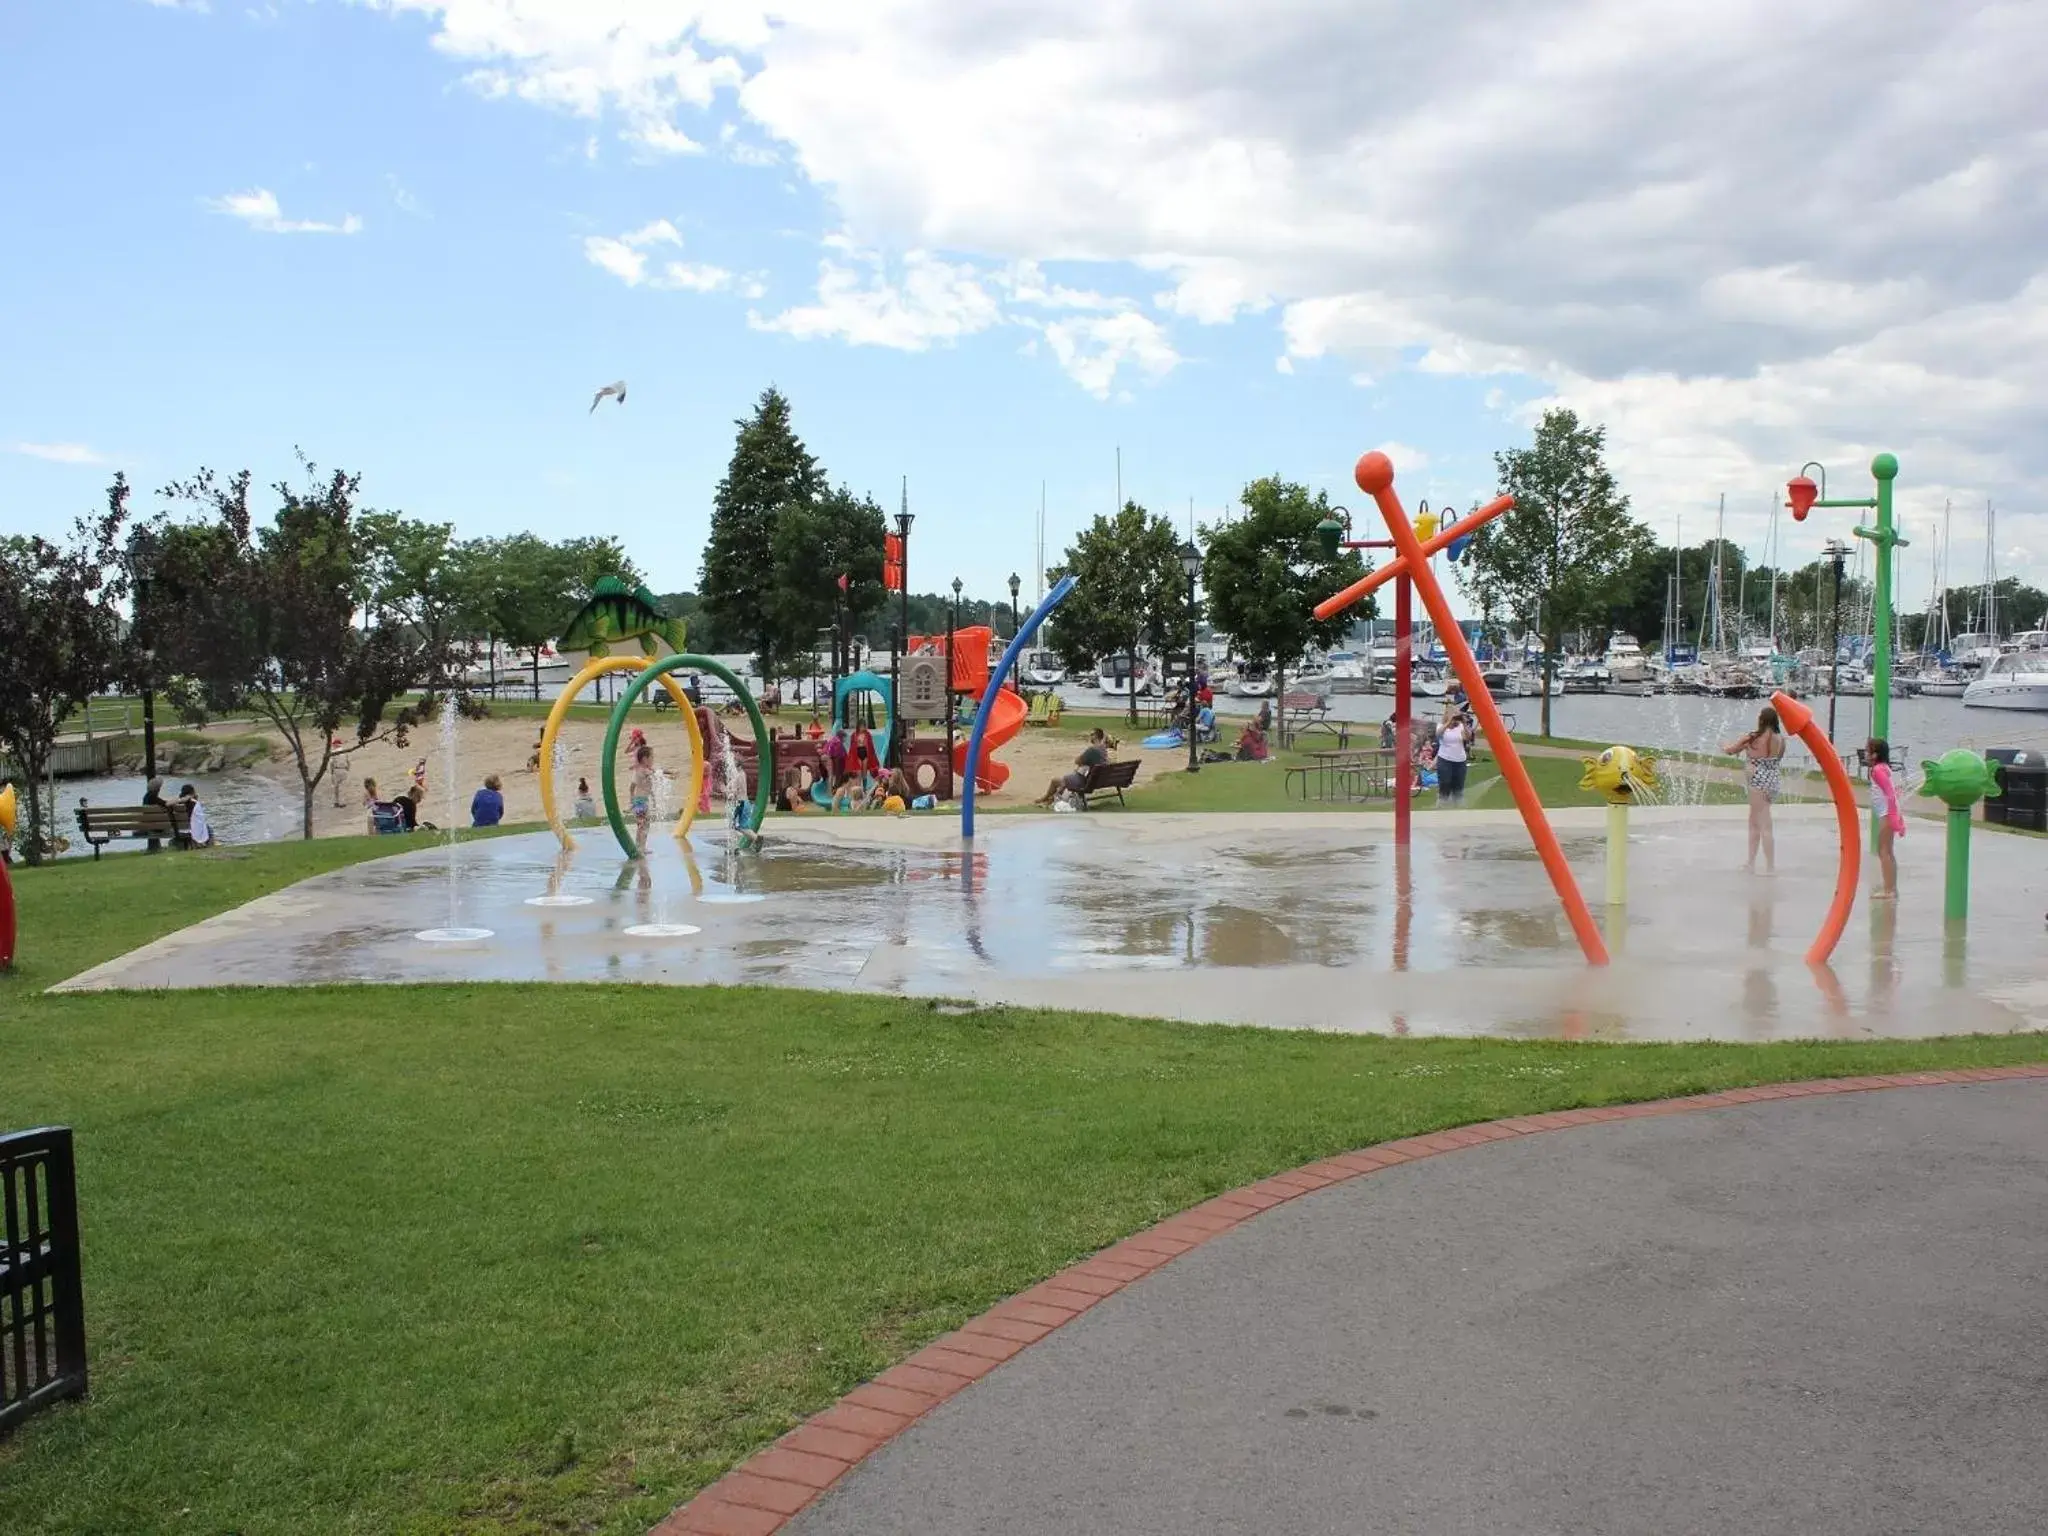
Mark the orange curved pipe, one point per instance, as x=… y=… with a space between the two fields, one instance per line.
x=1798 y=719
x=1443 y=538
x=1375 y=476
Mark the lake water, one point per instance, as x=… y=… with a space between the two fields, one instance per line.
x=1921 y=727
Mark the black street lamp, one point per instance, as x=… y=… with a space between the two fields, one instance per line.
x=1835 y=553
x=903 y=522
x=1191 y=563
x=142 y=560
x=1015 y=583
x=952 y=639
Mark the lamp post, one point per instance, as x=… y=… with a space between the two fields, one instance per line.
x=903 y=521
x=1191 y=563
x=142 y=559
x=952 y=640
x=1015 y=582
x=1835 y=553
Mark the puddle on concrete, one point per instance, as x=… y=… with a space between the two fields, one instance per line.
x=1287 y=925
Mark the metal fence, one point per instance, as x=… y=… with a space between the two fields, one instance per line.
x=42 y=1303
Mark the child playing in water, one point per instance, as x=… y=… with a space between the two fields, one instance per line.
x=642 y=792
x=1884 y=800
x=586 y=807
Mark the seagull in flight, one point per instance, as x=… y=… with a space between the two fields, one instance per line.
x=617 y=390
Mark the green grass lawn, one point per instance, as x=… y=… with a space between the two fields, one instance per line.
x=543 y=1259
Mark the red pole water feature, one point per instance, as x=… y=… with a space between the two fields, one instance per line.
x=1404 y=749
x=1375 y=476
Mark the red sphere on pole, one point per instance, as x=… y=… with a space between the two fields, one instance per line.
x=1375 y=472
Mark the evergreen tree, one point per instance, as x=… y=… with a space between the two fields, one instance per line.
x=770 y=470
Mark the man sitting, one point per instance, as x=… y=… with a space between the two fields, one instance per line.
x=1094 y=755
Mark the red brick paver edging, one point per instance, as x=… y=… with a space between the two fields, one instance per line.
x=766 y=1490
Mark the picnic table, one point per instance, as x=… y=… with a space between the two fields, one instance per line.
x=1343 y=773
x=1301 y=713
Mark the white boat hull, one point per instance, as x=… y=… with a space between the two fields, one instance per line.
x=2008 y=693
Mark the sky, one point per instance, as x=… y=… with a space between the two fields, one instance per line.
x=990 y=247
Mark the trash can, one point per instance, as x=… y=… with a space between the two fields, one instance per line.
x=2022 y=800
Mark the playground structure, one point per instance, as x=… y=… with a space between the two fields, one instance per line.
x=997 y=696
x=1802 y=494
x=1622 y=777
x=614 y=614
x=1958 y=779
x=1375 y=477
x=7 y=919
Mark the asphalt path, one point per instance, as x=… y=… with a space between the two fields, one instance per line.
x=1818 y=1316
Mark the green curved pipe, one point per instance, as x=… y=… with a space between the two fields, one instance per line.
x=609 y=771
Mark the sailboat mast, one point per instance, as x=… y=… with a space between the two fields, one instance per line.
x=1774 y=573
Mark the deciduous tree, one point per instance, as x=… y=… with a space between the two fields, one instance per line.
x=1557 y=560
x=1131 y=593
x=1264 y=573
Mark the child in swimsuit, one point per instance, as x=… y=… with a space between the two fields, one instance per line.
x=1884 y=799
x=642 y=802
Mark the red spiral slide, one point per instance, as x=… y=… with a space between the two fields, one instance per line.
x=1005 y=719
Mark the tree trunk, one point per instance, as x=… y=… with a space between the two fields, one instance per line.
x=1131 y=689
x=536 y=672
x=34 y=775
x=1280 y=702
x=491 y=660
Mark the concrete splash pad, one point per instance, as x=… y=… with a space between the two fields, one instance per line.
x=1301 y=921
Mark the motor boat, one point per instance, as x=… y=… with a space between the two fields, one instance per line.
x=1122 y=678
x=1253 y=681
x=1625 y=661
x=1349 y=673
x=1042 y=669
x=2016 y=680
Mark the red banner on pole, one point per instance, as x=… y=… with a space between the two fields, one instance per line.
x=892 y=562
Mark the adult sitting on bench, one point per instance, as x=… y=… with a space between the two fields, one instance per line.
x=1093 y=756
x=160 y=822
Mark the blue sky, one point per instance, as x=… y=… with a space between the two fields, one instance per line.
x=481 y=168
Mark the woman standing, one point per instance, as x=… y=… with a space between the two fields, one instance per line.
x=1453 y=757
x=1764 y=749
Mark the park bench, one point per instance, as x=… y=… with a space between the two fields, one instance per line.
x=101 y=824
x=1107 y=779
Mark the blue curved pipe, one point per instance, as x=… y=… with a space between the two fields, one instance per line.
x=1018 y=641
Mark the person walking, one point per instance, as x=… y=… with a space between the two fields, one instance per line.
x=1763 y=749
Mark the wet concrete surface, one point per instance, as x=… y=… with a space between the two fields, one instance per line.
x=1814 y=1318
x=1312 y=921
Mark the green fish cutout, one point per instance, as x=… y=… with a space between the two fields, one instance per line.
x=1959 y=778
x=617 y=613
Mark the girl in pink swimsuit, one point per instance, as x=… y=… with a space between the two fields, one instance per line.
x=1884 y=799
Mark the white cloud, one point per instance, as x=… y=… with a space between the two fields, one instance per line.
x=1283 y=364
x=1743 y=235
x=643 y=60
x=258 y=208
x=1093 y=348
x=1407 y=460
x=197 y=7
x=910 y=305
x=660 y=137
x=403 y=200
x=695 y=276
x=625 y=256
x=62 y=453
